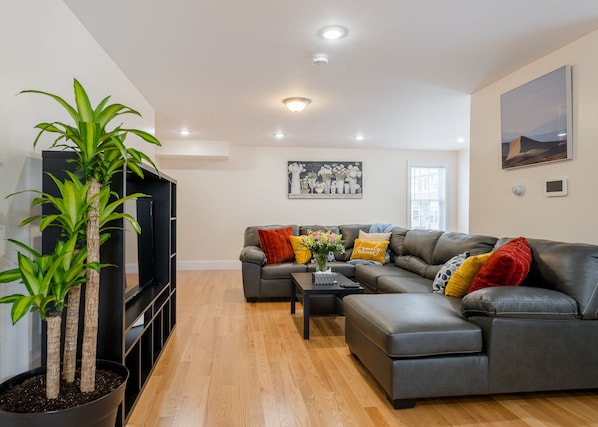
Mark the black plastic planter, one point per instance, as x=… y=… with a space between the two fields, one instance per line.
x=99 y=413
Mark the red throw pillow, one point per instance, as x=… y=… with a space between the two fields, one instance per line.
x=507 y=266
x=277 y=245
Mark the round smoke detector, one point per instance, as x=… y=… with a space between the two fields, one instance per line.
x=319 y=59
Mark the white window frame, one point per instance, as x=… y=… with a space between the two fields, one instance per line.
x=441 y=200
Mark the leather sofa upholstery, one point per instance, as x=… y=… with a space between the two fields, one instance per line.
x=539 y=336
x=535 y=337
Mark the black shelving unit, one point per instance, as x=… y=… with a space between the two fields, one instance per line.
x=132 y=332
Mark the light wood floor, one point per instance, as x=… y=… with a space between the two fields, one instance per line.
x=230 y=363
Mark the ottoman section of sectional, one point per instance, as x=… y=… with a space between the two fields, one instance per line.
x=416 y=345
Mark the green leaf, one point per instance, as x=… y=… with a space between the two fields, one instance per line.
x=9 y=276
x=146 y=136
x=66 y=105
x=29 y=274
x=100 y=107
x=21 y=307
x=83 y=104
x=32 y=251
x=9 y=299
x=109 y=113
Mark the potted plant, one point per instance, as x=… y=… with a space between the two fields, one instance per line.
x=85 y=209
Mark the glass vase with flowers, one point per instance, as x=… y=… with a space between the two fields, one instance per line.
x=321 y=243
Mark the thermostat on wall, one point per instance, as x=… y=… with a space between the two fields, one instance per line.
x=555 y=187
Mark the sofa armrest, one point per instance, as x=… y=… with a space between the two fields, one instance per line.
x=253 y=254
x=522 y=302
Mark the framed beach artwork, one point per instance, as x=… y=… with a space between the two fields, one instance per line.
x=536 y=121
x=325 y=180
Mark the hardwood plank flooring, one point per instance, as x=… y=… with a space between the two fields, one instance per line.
x=230 y=363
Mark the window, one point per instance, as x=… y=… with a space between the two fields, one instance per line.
x=427 y=197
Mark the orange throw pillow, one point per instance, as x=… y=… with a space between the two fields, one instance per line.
x=507 y=266
x=276 y=245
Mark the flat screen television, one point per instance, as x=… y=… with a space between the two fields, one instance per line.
x=139 y=248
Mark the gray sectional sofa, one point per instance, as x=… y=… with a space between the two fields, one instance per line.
x=539 y=336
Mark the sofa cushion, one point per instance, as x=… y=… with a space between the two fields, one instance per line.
x=417 y=265
x=520 y=302
x=417 y=250
x=413 y=325
x=282 y=270
x=409 y=283
x=452 y=243
x=302 y=254
x=368 y=275
x=570 y=268
x=370 y=251
x=460 y=282
x=507 y=266
x=397 y=240
x=421 y=243
x=350 y=232
x=276 y=245
x=446 y=271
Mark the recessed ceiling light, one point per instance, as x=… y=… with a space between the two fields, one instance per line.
x=296 y=104
x=359 y=137
x=460 y=140
x=333 y=32
x=185 y=132
x=279 y=135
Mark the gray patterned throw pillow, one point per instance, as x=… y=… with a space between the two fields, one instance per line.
x=446 y=271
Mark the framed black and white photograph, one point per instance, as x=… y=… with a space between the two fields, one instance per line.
x=330 y=180
x=536 y=121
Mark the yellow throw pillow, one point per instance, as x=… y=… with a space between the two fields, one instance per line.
x=371 y=251
x=302 y=254
x=462 y=278
x=374 y=237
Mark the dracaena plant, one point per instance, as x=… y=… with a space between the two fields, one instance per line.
x=70 y=209
x=47 y=279
x=100 y=153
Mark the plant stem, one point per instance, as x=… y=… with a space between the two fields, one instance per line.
x=92 y=293
x=70 y=334
x=53 y=357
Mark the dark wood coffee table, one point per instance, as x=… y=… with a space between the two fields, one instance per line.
x=302 y=283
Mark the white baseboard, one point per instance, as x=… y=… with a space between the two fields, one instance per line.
x=208 y=265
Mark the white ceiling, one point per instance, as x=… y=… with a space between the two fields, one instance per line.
x=402 y=77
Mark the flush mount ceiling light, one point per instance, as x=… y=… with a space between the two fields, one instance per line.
x=296 y=104
x=333 y=32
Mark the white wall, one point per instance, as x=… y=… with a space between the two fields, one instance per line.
x=217 y=199
x=463 y=191
x=494 y=209
x=43 y=47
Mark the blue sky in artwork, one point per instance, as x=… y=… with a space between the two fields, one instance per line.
x=537 y=109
